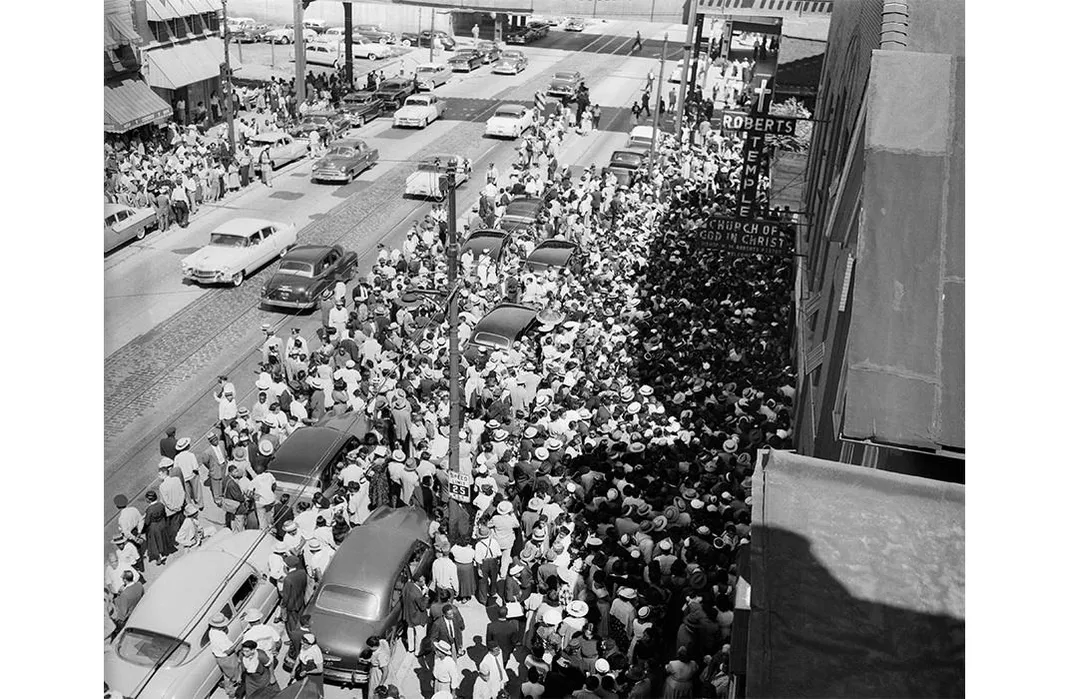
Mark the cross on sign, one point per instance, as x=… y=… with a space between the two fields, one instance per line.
x=763 y=93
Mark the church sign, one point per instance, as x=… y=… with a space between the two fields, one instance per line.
x=746 y=236
x=766 y=124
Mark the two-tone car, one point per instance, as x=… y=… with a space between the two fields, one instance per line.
x=163 y=650
x=373 y=32
x=486 y=241
x=320 y=123
x=305 y=273
x=280 y=146
x=511 y=62
x=575 y=24
x=393 y=92
x=429 y=180
x=237 y=248
x=626 y=165
x=489 y=50
x=420 y=110
x=362 y=106
x=504 y=326
x=124 y=223
x=522 y=212
x=344 y=161
x=465 y=60
x=521 y=35
x=285 y=35
x=361 y=590
x=565 y=84
x=431 y=75
x=249 y=34
x=553 y=253
x=510 y=121
x=372 y=50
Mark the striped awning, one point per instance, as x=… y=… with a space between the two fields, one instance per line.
x=163 y=10
x=117 y=32
x=184 y=64
x=130 y=103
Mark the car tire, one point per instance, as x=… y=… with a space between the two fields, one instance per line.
x=383 y=40
x=407 y=43
x=372 y=56
x=424 y=124
x=140 y=235
x=349 y=177
x=239 y=277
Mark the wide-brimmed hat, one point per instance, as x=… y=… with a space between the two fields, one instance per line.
x=553 y=444
x=542 y=453
x=646 y=390
x=266 y=448
x=535 y=504
x=218 y=621
x=636 y=447
x=505 y=507
x=443 y=646
x=552 y=616
x=183 y=444
x=626 y=593
x=530 y=432
x=633 y=408
x=602 y=666
x=315 y=545
x=499 y=435
x=577 y=608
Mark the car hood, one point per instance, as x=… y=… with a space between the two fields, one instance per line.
x=562 y=85
x=513 y=62
x=411 y=110
x=124 y=677
x=213 y=257
x=332 y=163
x=339 y=635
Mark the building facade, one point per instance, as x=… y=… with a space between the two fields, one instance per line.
x=182 y=52
x=129 y=102
x=880 y=281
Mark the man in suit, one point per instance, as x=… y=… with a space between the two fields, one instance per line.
x=167 y=444
x=214 y=461
x=415 y=613
x=504 y=632
x=292 y=601
x=448 y=628
x=127 y=599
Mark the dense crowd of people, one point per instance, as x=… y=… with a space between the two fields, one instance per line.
x=610 y=451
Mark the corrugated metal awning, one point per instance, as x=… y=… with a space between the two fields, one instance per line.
x=130 y=103
x=857 y=582
x=162 y=10
x=184 y=64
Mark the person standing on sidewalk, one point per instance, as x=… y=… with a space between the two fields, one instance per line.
x=225 y=652
x=180 y=204
x=265 y=167
x=596 y=114
x=645 y=102
x=292 y=601
x=415 y=613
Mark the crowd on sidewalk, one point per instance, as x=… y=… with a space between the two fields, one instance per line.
x=611 y=451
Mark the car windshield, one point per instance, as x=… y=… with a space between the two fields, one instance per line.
x=228 y=240
x=264 y=140
x=392 y=85
x=509 y=112
x=486 y=45
x=295 y=268
x=427 y=69
x=564 y=76
x=147 y=648
x=512 y=55
x=341 y=152
x=416 y=102
x=349 y=601
x=627 y=158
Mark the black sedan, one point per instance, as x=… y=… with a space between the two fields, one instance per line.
x=424 y=39
x=362 y=106
x=394 y=91
x=523 y=212
x=486 y=241
x=504 y=326
x=466 y=60
x=522 y=35
x=306 y=272
x=626 y=165
x=553 y=253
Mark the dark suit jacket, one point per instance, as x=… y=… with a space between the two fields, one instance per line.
x=215 y=467
x=439 y=631
x=414 y=605
x=505 y=633
x=126 y=600
x=293 y=597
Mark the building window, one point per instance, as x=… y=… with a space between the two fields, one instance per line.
x=210 y=21
x=159 y=31
x=196 y=24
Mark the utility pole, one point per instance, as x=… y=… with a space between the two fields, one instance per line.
x=431 y=38
x=658 y=107
x=455 y=359
x=692 y=10
x=347 y=26
x=299 y=50
x=228 y=87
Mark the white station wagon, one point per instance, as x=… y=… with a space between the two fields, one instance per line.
x=237 y=248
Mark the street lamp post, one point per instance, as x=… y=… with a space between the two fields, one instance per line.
x=455 y=358
x=658 y=108
x=228 y=88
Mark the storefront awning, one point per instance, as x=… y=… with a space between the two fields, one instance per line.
x=130 y=103
x=857 y=582
x=163 y=10
x=184 y=64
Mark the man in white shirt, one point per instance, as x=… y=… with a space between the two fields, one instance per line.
x=263 y=495
x=444 y=574
x=186 y=462
x=223 y=650
x=264 y=635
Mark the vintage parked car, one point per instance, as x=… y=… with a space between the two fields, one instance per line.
x=372 y=50
x=575 y=24
x=321 y=123
x=522 y=212
x=124 y=223
x=466 y=60
x=167 y=633
x=305 y=273
x=510 y=62
x=325 y=53
x=344 y=160
x=510 y=121
x=626 y=165
x=486 y=241
x=362 y=106
x=540 y=28
x=445 y=40
x=504 y=326
x=640 y=138
x=522 y=35
x=564 y=85
x=312 y=460
x=431 y=75
x=282 y=148
x=249 y=34
x=373 y=32
x=393 y=92
x=553 y=253
x=285 y=35
x=489 y=51
x=236 y=248
x=430 y=178
x=420 y=110
x=360 y=594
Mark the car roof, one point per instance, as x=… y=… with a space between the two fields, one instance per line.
x=631 y=153
x=554 y=252
x=431 y=65
x=642 y=131
x=184 y=588
x=506 y=320
x=110 y=209
x=243 y=226
x=308 y=253
x=348 y=143
x=524 y=204
x=303 y=451
x=373 y=551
